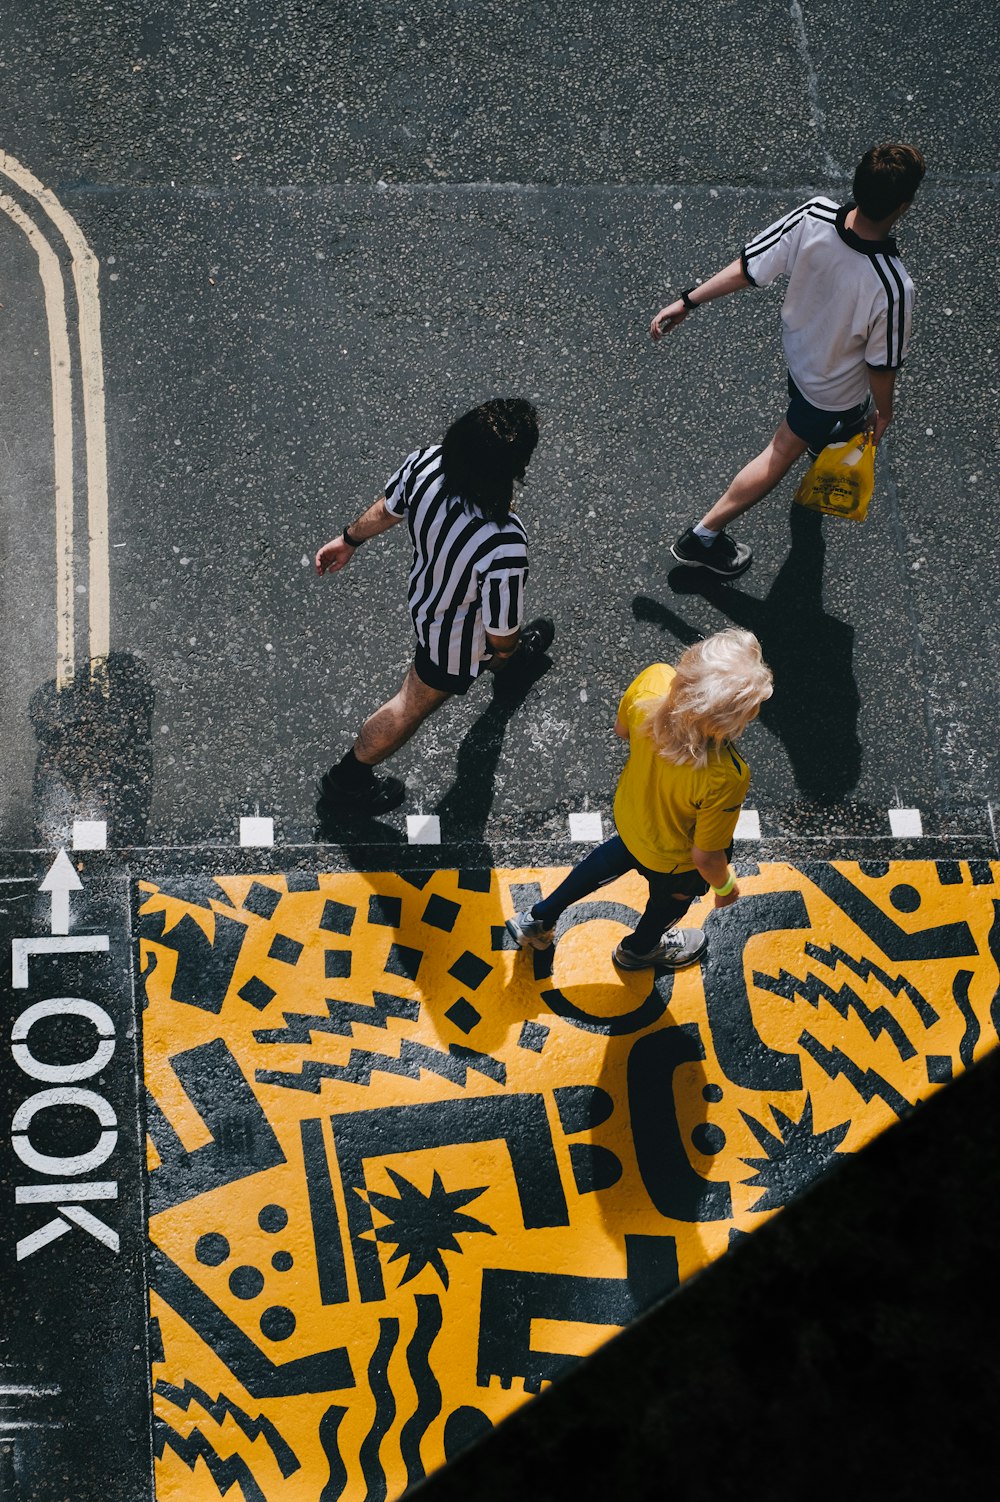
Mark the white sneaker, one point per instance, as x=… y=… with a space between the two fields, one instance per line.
x=677 y=948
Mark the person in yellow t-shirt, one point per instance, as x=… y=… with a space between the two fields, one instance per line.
x=678 y=800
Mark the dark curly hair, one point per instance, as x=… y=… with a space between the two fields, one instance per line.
x=486 y=450
x=886 y=177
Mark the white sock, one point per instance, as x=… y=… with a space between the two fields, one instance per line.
x=705 y=535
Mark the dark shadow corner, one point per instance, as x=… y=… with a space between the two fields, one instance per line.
x=95 y=751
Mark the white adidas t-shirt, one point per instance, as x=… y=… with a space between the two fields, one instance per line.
x=848 y=305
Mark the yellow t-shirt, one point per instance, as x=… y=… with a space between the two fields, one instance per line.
x=662 y=808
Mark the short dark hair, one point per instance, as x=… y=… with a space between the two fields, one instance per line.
x=886 y=177
x=486 y=450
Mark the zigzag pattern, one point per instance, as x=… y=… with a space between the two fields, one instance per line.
x=341 y=1018
x=865 y=969
x=813 y=989
x=225 y=1473
x=362 y=1064
x=217 y=1408
x=867 y=1082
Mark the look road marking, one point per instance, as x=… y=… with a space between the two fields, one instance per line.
x=84 y=266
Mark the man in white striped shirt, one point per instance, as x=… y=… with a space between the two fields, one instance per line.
x=845 y=330
x=466 y=587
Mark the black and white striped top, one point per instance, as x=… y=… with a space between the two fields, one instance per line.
x=468 y=573
x=848 y=305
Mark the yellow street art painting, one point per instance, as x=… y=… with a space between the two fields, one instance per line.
x=402 y=1175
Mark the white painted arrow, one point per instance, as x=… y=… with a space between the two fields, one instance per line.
x=60 y=880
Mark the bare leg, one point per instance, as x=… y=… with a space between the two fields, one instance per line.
x=390 y=727
x=756 y=479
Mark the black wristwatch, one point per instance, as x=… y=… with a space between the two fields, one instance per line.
x=685 y=298
x=351 y=542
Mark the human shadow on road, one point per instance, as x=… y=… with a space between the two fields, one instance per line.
x=464 y=810
x=95 y=756
x=814 y=709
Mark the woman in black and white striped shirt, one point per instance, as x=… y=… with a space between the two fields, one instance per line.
x=466 y=588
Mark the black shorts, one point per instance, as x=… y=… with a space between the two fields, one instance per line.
x=437 y=677
x=817 y=427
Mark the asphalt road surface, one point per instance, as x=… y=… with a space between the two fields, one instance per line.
x=319 y=236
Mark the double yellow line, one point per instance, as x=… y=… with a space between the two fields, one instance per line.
x=84 y=268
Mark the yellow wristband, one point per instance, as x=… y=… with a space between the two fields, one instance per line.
x=724 y=891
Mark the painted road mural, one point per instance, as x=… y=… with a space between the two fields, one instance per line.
x=401 y=1176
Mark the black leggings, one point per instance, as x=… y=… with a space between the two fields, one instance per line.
x=670 y=893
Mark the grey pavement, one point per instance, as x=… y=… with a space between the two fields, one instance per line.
x=322 y=235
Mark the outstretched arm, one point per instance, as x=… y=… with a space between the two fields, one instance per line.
x=335 y=554
x=731 y=278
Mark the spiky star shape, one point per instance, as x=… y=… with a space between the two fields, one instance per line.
x=422 y=1226
x=794 y=1158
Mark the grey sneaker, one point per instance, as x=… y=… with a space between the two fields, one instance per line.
x=723 y=556
x=529 y=932
x=677 y=948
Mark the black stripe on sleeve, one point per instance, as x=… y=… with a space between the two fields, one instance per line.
x=770 y=237
x=901 y=311
x=495 y=610
x=891 y=309
x=514 y=618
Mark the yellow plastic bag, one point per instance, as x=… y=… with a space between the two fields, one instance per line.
x=841 y=480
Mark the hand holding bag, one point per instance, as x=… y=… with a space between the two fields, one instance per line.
x=840 y=481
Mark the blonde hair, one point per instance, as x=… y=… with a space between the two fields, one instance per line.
x=720 y=684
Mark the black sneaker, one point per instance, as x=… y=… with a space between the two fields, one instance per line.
x=537 y=637
x=529 y=662
x=723 y=556
x=378 y=796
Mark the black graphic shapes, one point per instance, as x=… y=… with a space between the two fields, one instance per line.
x=582 y=1107
x=464 y=1427
x=960 y=991
x=225 y=1473
x=864 y=969
x=425 y=1385
x=423 y=1226
x=204 y=966
x=675 y=1187
x=341 y=1017
x=994 y=942
x=325 y=1371
x=947 y=942
x=217 y=1408
x=813 y=989
x=795 y=1157
x=385 y=1410
x=330 y=1265
x=329 y=1438
x=518 y=1120
x=512 y=1299
x=242 y=1140
x=594 y=1167
x=743 y=1055
x=653 y=1006
x=867 y=1082
x=413 y=1057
